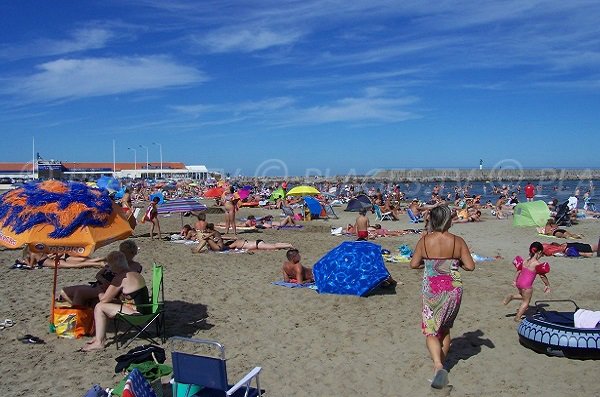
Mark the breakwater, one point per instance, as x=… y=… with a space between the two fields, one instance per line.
x=496 y=174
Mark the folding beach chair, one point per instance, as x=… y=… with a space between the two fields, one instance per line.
x=413 y=217
x=287 y=211
x=330 y=212
x=382 y=216
x=208 y=374
x=142 y=322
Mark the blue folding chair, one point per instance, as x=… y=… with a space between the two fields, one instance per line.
x=382 y=216
x=208 y=374
x=413 y=217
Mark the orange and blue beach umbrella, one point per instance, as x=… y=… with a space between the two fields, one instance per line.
x=60 y=217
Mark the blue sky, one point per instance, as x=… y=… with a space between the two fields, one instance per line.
x=309 y=86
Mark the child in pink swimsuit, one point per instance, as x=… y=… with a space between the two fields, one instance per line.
x=526 y=272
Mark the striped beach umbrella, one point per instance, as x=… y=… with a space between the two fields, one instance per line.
x=180 y=206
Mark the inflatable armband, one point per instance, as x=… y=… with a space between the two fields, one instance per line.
x=542 y=268
x=518 y=262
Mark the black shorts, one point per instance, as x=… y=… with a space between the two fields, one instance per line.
x=581 y=247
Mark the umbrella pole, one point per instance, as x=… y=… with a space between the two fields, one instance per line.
x=56 y=264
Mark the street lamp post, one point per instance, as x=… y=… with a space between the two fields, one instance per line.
x=147 y=167
x=134 y=161
x=160 y=151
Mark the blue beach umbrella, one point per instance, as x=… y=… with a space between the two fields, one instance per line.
x=108 y=183
x=351 y=268
x=161 y=197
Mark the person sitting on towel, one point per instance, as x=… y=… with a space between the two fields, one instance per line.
x=293 y=271
x=212 y=239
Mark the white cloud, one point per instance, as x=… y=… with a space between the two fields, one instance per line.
x=80 y=40
x=66 y=79
x=361 y=109
x=246 y=39
x=266 y=104
x=194 y=111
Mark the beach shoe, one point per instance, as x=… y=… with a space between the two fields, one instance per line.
x=440 y=380
x=6 y=324
x=20 y=265
x=34 y=340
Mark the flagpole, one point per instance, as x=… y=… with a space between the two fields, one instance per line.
x=114 y=162
x=33 y=160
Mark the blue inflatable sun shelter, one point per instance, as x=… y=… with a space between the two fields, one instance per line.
x=351 y=268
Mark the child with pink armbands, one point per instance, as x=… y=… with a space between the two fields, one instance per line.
x=526 y=272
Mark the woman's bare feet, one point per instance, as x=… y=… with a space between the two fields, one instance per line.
x=507 y=300
x=93 y=346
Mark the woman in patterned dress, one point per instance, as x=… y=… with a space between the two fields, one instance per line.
x=440 y=253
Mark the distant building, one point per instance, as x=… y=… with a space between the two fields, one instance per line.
x=45 y=169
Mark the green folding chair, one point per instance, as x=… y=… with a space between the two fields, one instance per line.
x=142 y=322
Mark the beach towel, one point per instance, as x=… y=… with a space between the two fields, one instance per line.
x=238 y=228
x=396 y=258
x=290 y=227
x=186 y=242
x=294 y=285
x=234 y=251
x=137 y=386
x=586 y=318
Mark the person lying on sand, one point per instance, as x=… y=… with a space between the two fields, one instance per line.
x=552 y=229
x=293 y=271
x=213 y=241
x=268 y=223
x=572 y=249
x=188 y=232
x=33 y=260
x=467 y=216
x=378 y=231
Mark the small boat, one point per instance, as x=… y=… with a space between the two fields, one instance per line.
x=553 y=333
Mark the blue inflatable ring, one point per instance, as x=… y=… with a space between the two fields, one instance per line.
x=554 y=334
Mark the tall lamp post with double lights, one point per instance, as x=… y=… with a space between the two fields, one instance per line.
x=134 y=161
x=160 y=151
x=147 y=164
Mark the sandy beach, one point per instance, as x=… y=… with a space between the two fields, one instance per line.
x=307 y=343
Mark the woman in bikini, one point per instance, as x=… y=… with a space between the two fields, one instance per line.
x=127 y=286
x=252 y=245
x=126 y=203
x=441 y=254
x=230 y=202
x=552 y=229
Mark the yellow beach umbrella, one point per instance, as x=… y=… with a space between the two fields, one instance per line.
x=303 y=191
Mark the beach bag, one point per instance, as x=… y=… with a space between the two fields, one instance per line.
x=139 y=355
x=73 y=322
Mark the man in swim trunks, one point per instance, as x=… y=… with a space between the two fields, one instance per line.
x=361 y=226
x=293 y=271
